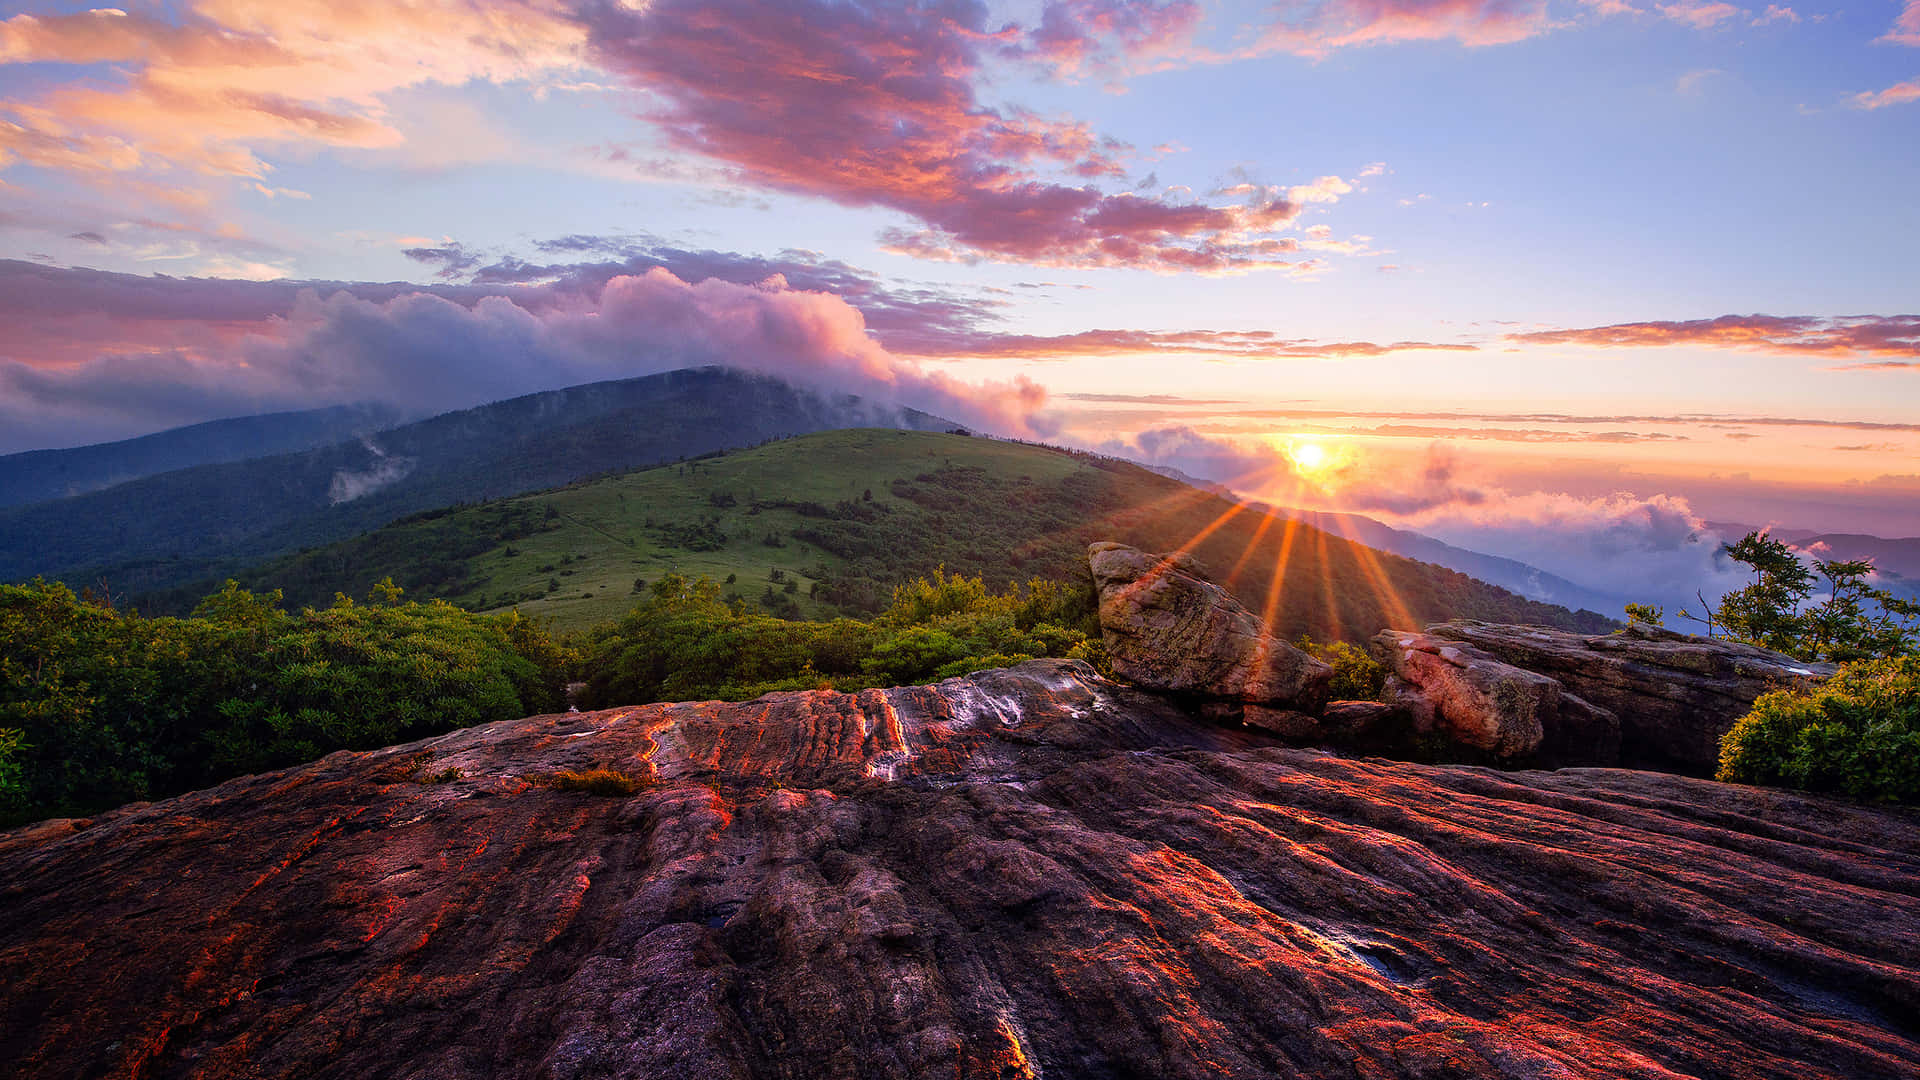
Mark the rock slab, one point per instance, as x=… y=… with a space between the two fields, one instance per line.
x=1020 y=873
x=1674 y=694
x=1168 y=628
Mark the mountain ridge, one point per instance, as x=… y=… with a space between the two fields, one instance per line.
x=831 y=522
x=177 y=526
x=39 y=475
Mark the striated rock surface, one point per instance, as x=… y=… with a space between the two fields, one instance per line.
x=1674 y=694
x=1022 y=873
x=1168 y=628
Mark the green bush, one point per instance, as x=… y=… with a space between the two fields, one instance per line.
x=687 y=643
x=1857 y=734
x=1356 y=676
x=13 y=786
x=112 y=707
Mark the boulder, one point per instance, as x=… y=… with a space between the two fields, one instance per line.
x=1020 y=873
x=1458 y=692
x=1472 y=698
x=1168 y=628
x=1674 y=694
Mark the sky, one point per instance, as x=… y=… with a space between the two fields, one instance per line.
x=1565 y=281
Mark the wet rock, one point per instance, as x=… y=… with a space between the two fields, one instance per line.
x=1030 y=872
x=1168 y=628
x=1673 y=694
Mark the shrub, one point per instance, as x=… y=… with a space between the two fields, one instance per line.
x=113 y=707
x=1645 y=615
x=1356 y=676
x=13 y=786
x=608 y=782
x=1857 y=734
x=688 y=643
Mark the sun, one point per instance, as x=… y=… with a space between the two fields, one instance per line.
x=1308 y=457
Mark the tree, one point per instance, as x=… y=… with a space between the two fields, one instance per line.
x=1853 y=621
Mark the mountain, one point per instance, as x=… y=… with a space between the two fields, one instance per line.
x=832 y=521
x=1511 y=574
x=38 y=475
x=182 y=525
x=1015 y=874
x=1732 y=531
x=1890 y=556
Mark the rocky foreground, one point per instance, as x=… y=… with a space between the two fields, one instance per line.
x=1022 y=873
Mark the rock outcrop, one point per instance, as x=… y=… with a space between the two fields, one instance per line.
x=1167 y=627
x=1476 y=699
x=1453 y=690
x=1674 y=694
x=1021 y=873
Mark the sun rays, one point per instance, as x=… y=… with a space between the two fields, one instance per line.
x=1305 y=469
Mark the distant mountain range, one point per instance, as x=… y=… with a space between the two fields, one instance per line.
x=1896 y=559
x=38 y=475
x=173 y=527
x=1510 y=574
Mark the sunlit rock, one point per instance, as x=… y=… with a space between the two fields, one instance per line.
x=1168 y=628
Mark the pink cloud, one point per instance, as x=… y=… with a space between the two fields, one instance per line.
x=1612 y=7
x=874 y=105
x=1897 y=94
x=1872 y=335
x=1110 y=36
x=1700 y=16
x=1215 y=344
x=1318 y=27
x=1906 y=27
x=205 y=93
x=868 y=104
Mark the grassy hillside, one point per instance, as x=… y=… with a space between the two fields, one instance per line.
x=187 y=525
x=829 y=523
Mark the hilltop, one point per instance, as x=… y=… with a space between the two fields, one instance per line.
x=831 y=522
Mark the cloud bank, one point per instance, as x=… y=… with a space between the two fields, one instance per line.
x=430 y=352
